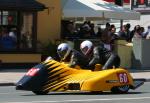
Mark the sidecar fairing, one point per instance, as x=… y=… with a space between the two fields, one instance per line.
x=55 y=76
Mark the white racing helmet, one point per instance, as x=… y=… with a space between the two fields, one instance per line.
x=86 y=47
x=63 y=50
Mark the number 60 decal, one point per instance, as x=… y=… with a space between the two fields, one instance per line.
x=123 y=77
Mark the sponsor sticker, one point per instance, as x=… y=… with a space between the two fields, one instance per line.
x=32 y=72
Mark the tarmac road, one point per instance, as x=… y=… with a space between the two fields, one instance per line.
x=8 y=94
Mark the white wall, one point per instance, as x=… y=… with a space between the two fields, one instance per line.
x=144 y=21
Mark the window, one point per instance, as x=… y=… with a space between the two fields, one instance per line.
x=8 y=18
x=8 y=27
x=17 y=33
x=26 y=32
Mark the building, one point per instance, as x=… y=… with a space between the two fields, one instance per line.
x=124 y=1
x=142 y=6
x=30 y=23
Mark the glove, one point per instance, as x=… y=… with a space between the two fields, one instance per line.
x=48 y=58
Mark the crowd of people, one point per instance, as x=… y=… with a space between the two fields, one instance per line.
x=103 y=52
x=108 y=34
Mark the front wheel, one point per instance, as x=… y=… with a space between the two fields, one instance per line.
x=120 y=89
x=40 y=92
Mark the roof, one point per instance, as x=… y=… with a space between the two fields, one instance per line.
x=94 y=9
x=24 y=5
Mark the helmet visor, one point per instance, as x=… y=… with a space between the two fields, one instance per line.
x=84 y=50
x=62 y=53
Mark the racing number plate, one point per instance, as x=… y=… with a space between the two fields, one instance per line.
x=123 y=77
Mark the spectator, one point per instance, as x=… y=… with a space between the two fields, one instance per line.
x=112 y=26
x=6 y=41
x=92 y=31
x=125 y=33
x=133 y=31
x=99 y=32
x=143 y=33
x=106 y=39
x=105 y=35
x=107 y=26
x=85 y=30
x=137 y=32
x=147 y=32
x=148 y=36
x=114 y=37
x=12 y=34
x=71 y=30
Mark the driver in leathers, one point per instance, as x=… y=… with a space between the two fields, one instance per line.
x=67 y=54
x=99 y=55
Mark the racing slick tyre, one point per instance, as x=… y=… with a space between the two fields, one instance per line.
x=120 y=89
x=40 y=92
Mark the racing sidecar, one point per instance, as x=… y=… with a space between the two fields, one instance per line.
x=50 y=76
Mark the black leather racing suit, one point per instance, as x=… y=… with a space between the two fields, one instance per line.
x=76 y=58
x=104 y=57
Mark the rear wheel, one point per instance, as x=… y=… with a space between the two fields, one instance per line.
x=40 y=92
x=120 y=89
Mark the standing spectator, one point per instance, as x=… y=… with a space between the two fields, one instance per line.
x=125 y=33
x=99 y=32
x=106 y=39
x=147 y=32
x=107 y=26
x=114 y=37
x=128 y=26
x=85 y=30
x=107 y=36
x=137 y=32
x=92 y=31
x=71 y=32
x=143 y=33
x=133 y=31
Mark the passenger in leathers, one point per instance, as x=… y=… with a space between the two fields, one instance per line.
x=99 y=55
x=72 y=56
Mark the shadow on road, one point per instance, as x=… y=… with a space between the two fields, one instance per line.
x=86 y=93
